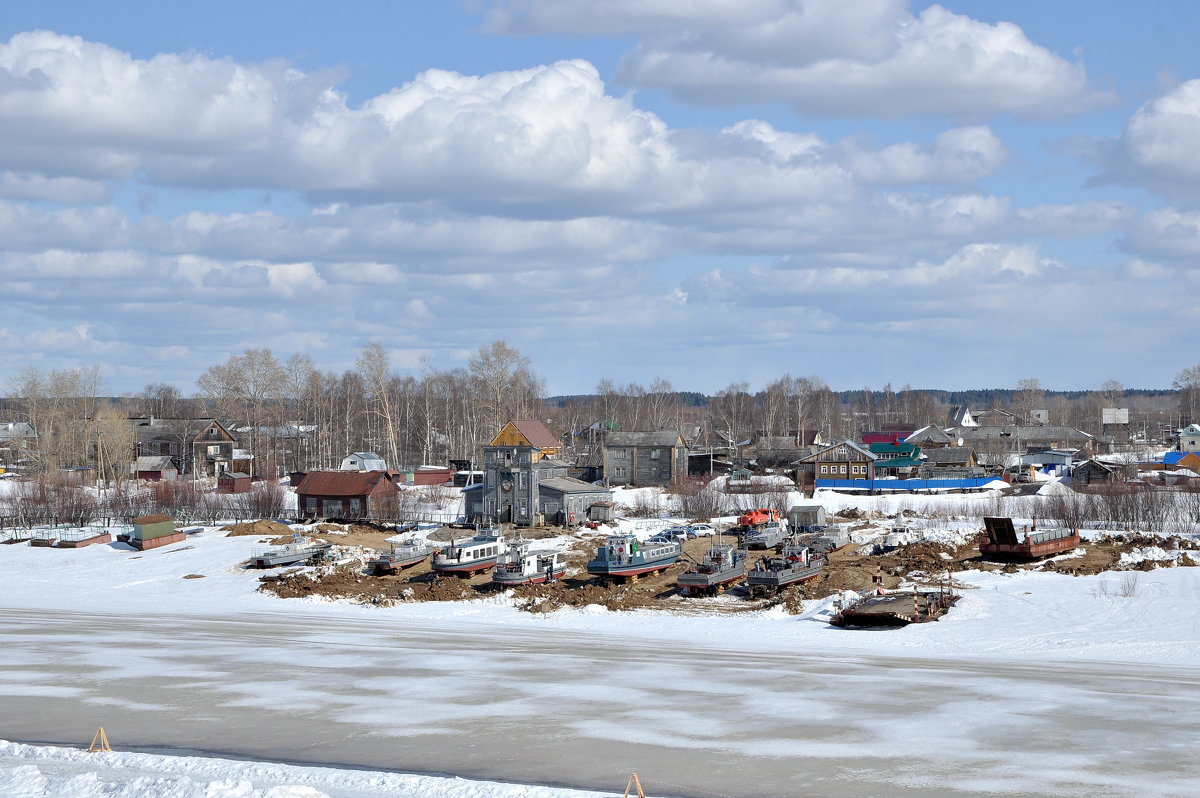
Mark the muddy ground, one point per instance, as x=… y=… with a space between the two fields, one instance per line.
x=848 y=569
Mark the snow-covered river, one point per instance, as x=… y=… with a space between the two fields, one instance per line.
x=569 y=707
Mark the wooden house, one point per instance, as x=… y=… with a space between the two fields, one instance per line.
x=525 y=484
x=845 y=460
x=345 y=495
x=1100 y=472
x=196 y=445
x=645 y=459
x=946 y=457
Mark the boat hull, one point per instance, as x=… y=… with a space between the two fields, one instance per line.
x=703 y=580
x=386 y=565
x=601 y=568
x=512 y=580
x=785 y=577
x=472 y=567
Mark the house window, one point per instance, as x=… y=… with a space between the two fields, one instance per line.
x=654 y=453
x=824 y=469
x=214 y=450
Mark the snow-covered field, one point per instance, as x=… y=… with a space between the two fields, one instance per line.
x=1035 y=683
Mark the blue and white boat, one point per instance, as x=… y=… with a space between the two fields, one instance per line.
x=625 y=556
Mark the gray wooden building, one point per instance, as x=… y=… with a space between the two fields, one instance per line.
x=524 y=485
x=645 y=459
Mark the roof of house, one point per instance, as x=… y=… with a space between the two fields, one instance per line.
x=890 y=448
x=908 y=461
x=1024 y=433
x=929 y=434
x=233 y=475
x=365 y=455
x=536 y=433
x=341 y=483
x=16 y=429
x=187 y=429
x=949 y=454
x=570 y=485
x=664 y=438
x=154 y=463
x=865 y=454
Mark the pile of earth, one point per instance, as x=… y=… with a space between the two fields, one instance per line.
x=262 y=528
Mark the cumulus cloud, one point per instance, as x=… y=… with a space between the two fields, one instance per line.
x=871 y=58
x=541 y=142
x=1157 y=147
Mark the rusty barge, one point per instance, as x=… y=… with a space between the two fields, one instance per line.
x=895 y=608
x=999 y=541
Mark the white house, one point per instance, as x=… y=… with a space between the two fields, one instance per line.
x=363 y=461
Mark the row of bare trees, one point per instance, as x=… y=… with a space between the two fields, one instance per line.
x=293 y=415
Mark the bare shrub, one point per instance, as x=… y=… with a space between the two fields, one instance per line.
x=697 y=498
x=1129 y=584
x=646 y=504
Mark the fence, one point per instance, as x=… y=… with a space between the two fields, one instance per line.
x=904 y=485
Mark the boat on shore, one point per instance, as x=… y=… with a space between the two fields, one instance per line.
x=894 y=608
x=626 y=557
x=723 y=565
x=299 y=550
x=521 y=565
x=795 y=563
x=405 y=553
x=470 y=555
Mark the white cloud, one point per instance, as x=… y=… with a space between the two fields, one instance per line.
x=1157 y=147
x=869 y=58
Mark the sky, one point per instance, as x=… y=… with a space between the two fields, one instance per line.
x=956 y=196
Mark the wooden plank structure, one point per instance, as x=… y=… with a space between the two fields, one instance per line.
x=100 y=743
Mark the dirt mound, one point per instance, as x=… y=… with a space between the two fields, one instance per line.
x=261 y=528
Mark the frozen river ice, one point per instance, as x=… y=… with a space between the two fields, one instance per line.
x=569 y=707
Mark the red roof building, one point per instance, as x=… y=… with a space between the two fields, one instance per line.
x=345 y=494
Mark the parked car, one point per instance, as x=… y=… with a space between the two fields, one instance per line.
x=675 y=534
x=702 y=530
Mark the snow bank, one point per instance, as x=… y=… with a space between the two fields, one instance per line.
x=27 y=771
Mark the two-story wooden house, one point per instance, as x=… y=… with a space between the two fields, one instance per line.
x=845 y=460
x=645 y=459
x=201 y=446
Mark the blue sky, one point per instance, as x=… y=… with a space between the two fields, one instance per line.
x=958 y=195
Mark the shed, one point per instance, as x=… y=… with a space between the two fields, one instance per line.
x=344 y=494
x=233 y=482
x=152 y=531
x=155 y=468
x=569 y=501
x=432 y=475
x=799 y=515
